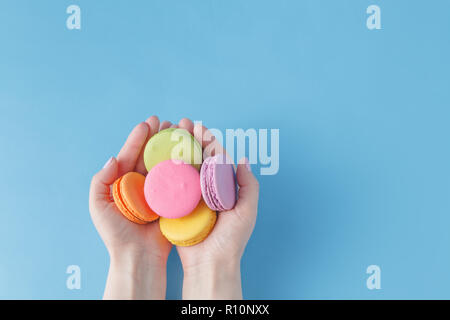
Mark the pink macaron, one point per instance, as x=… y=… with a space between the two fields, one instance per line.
x=172 y=189
x=218 y=183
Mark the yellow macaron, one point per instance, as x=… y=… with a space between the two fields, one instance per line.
x=191 y=229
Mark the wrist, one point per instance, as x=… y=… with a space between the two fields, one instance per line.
x=135 y=275
x=213 y=280
x=134 y=259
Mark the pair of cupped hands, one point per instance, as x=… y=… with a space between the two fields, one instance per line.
x=139 y=253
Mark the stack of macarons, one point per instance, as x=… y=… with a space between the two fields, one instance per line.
x=180 y=189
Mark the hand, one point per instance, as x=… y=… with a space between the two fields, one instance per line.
x=138 y=253
x=212 y=267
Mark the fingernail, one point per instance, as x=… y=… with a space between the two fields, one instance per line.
x=247 y=165
x=108 y=162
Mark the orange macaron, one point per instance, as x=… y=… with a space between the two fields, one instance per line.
x=128 y=194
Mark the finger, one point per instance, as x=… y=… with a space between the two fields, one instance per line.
x=100 y=194
x=210 y=145
x=174 y=126
x=164 y=125
x=186 y=124
x=128 y=155
x=153 y=122
x=248 y=190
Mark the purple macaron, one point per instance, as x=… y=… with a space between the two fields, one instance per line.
x=218 y=183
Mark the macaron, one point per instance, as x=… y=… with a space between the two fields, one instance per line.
x=190 y=229
x=172 y=189
x=218 y=183
x=172 y=143
x=128 y=194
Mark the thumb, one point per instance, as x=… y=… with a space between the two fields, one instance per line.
x=100 y=192
x=248 y=189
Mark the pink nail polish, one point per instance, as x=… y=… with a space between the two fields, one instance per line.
x=108 y=163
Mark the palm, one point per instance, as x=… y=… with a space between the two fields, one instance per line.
x=232 y=229
x=116 y=231
x=224 y=242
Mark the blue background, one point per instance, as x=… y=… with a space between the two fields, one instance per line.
x=364 y=135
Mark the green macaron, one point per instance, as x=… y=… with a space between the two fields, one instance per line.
x=172 y=143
